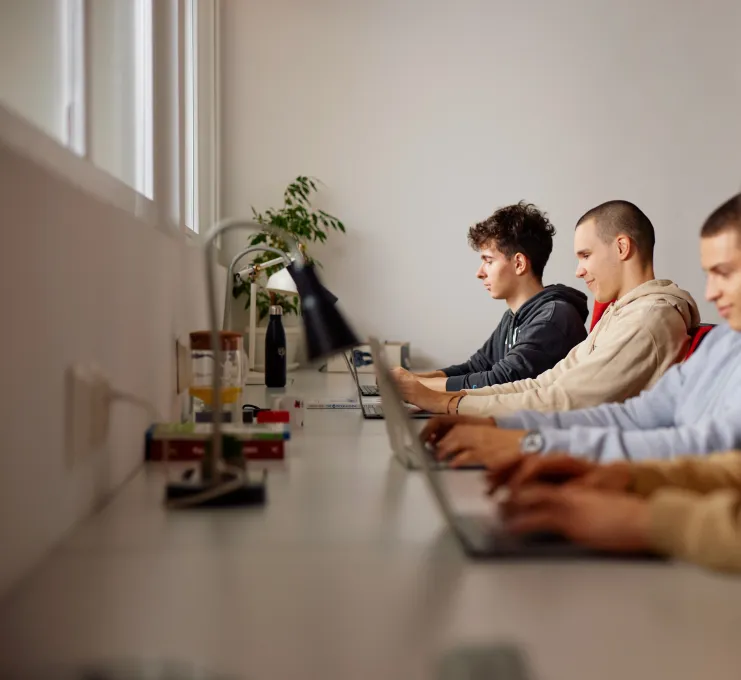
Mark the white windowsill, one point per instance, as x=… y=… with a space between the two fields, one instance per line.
x=22 y=136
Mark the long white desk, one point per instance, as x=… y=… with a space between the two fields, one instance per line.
x=348 y=574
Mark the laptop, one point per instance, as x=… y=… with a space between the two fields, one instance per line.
x=479 y=536
x=401 y=436
x=374 y=410
x=365 y=390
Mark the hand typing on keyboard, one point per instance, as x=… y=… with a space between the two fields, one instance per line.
x=605 y=520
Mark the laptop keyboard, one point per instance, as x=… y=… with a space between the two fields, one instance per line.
x=373 y=409
x=369 y=390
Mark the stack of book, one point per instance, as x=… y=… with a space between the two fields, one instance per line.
x=188 y=441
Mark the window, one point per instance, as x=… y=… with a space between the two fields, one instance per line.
x=32 y=67
x=191 y=184
x=120 y=90
x=144 y=107
x=85 y=72
x=73 y=64
x=201 y=147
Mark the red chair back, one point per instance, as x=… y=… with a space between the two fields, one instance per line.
x=697 y=336
x=597 y=311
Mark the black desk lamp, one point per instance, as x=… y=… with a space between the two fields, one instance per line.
x=327 y=332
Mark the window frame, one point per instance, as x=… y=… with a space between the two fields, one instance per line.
x=144 y=96
x=162 y=130
x=201 y=148
x=75 y=75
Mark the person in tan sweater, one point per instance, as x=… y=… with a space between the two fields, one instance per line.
x=688 y=508
x=695 y=407
x=637 y=339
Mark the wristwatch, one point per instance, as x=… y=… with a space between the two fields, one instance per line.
x=532 y=442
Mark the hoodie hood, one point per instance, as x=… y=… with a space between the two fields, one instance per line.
x=558 y=291
x=670 y=293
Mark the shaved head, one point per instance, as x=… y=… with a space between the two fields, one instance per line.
x=724 y=218
x=614 y=218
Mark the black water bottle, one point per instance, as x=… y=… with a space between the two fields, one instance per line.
x=275 y=349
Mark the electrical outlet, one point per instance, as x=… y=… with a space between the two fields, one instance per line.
x=87 y=405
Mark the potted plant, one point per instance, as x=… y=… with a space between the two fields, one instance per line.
x=308 y=225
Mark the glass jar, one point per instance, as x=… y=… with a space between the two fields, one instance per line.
x=203 y=362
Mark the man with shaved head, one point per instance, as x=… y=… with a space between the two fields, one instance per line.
x=637 y=339
x=660 y=472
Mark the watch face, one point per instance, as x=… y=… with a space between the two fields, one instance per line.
x=533 y=442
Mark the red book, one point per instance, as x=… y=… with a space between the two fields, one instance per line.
x=273 y=417
x=193 y=449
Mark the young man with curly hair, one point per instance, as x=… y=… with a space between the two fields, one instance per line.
x=636 y=340
x=542 y=323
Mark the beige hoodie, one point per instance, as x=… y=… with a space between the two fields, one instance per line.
x=633 y=344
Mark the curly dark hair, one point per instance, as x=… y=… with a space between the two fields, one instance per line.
x=519 y=228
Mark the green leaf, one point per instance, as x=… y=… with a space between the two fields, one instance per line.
x=303 y=222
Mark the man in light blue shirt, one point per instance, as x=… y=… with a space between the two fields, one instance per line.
x=695 y=407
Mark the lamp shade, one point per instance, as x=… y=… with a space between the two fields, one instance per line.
x=327 y=331
x=282 y=282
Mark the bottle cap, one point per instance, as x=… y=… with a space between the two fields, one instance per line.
x=276 y=310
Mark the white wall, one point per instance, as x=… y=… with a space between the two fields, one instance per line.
x=31 y=72
x=423 y=117
x=81 y=281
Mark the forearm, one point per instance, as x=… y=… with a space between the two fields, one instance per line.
x=613 y=443
x=506 y=388
x=528 y=360
x=645 y=412
x=458 y=369
x=430 y=374
x=435 y=383
x=507 y=405
x=531 y=420
x=544 y=381
x=432 y=401
x=600 y=416
x=703 y=475
x=705 y=530
x=448 y=403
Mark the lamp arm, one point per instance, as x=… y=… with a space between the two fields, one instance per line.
x=282 y=257
x=267 y=265
x=214 y=455
x=251 y=249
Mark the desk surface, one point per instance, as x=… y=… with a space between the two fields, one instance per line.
x=348 y=573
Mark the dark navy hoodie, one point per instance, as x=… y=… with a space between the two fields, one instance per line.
x=527 y=343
